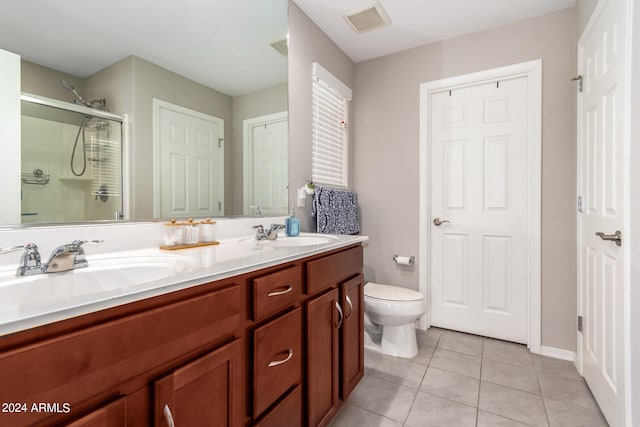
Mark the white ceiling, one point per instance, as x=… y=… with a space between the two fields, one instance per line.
x=223 y=44
x=418 y=22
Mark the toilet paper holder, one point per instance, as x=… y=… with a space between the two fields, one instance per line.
x=403 y=260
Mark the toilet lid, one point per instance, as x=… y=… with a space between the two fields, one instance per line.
x=391 y=293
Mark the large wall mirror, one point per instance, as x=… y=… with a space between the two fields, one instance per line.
x=202 y=86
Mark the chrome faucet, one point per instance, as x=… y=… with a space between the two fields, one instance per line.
x=270 y=234
x=67 y=257
x=29 y=261
x=63 y=258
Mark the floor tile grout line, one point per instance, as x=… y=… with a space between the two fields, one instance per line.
x=479 y=385
x=374 y=413
x=544 y=403
x=413 y=402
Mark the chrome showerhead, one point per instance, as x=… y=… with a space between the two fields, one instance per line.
x=79 y=99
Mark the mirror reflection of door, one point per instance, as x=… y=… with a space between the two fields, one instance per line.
x=188 y=162
x=266 y=164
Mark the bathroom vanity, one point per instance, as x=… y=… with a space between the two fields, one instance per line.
x=278 y=342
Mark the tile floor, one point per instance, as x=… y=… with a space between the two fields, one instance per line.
x=466 y=380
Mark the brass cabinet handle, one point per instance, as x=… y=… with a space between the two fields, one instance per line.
x=167 y=416
x=277 y=293
x=346 y=297
x=280 y=362
x=341 y=315
x=616 y=237
x=437 y=221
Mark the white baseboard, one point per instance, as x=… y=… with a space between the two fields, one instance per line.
x=557 y=353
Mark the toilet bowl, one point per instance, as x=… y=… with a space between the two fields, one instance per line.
x=390 y=313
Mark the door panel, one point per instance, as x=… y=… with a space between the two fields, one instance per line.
x=479 y=183
x=269 y=152
x=191 y=166
x=601 y=140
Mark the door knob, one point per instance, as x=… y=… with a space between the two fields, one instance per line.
x=437 y=221
x=616 y=237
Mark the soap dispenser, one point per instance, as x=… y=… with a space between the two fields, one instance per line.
x=292 y=225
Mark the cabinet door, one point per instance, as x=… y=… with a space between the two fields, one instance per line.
x=323 y=321
x=204 y=393
x=352 y=334
x=111 y=415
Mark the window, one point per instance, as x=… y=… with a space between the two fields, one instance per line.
x=329 y=129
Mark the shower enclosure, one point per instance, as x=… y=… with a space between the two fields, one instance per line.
x=71 y=161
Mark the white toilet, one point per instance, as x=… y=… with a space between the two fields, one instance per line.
x=390 y=313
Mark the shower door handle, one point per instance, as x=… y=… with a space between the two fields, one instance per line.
x=438 y=222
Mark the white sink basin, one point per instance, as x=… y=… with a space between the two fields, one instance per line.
x=104 y=277
x=289 y=242
x=286 y=242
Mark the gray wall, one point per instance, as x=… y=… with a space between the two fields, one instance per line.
x=39 y=80
x=151 y=81
x=386 y=151
x=308 y=44
x=584 y=9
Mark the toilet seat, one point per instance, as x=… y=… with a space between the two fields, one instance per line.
x=391 y=293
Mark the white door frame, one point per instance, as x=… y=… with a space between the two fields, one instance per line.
x=247 y=150
x=157 y=105
x=533 y=71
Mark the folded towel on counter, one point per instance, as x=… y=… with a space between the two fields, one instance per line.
x=336 y=210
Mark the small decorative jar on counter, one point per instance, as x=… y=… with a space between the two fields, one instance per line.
x=207 y=231
x=191 y=232
x=174 y=233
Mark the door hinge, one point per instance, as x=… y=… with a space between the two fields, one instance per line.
x=219 y=206
x=220 y=141
x=579 y=323
x=580 y=204
x=579 y=80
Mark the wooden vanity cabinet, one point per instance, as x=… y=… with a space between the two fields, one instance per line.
x=113 y=414
x=322 y=357
x=352 y=335
x=335 y=328
x=113 y=354
x=203 y=393
x=275 y=347
x=277 y=360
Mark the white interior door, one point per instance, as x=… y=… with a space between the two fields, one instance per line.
x=479 y=185
x=601 y=185
x=191 y=163
x=266 y=163
x=10 y=137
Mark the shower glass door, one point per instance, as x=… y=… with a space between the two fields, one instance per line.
x=71 y=162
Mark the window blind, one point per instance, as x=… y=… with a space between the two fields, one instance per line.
x=329 y=129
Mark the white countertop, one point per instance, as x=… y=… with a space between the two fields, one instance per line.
x=121 y=277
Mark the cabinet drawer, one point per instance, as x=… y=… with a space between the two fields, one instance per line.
x=277 y=363
x=275 y=291
x=75 y=366
x=286 y=413
x=331 y=269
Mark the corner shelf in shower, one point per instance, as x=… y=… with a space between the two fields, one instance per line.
x=35 y=178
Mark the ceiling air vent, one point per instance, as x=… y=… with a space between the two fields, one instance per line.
x=368 y=19
x=281 y=46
